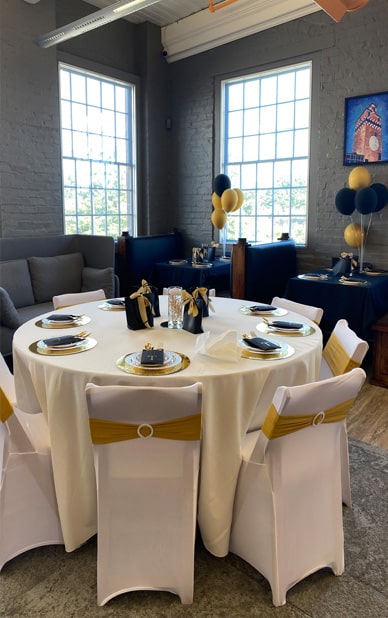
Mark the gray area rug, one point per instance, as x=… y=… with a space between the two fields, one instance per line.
x=49 y=582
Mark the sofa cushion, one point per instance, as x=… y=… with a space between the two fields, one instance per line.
x=8 y=314
x=51 y=276
x=96 y=278
x=15 y=278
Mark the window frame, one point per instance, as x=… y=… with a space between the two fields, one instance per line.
x=109 y=74
x=313 y=60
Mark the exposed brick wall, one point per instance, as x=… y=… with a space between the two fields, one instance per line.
x=351 y=58
x=177 y=165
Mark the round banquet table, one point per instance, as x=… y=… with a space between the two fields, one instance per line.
x=236 y=395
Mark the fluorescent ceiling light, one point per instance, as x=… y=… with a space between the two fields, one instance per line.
x=95 y=20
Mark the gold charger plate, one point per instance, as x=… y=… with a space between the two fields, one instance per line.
x=175 y=361
x=349 y=282
x=108 y=307
x=202 y=265
x=301 y=332
x=376 y=273
x=279 y=311
x=38 y=347
x=284 y=352
x=44 y=323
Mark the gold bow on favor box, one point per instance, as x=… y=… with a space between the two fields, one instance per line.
x=188 y=299
x=202 y=292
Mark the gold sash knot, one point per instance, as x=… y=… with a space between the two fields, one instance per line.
x=276 y=426
x=185 y=428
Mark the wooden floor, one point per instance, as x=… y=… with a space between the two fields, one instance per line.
x=368 y=419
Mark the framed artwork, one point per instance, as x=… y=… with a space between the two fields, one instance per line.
x=366 y=129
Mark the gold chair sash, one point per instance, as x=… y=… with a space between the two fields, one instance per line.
x=188 y=298
x=276 y=426
x=184 y=428
x=6 y=408
x=337 y=357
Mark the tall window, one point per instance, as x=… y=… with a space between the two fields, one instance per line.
x=265 y=137
x=98 y=153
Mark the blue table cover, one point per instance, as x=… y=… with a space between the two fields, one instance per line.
x=360 y=305
x=187 y=276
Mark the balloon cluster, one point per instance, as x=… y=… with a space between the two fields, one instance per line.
x=362 y=196
x=224 y=200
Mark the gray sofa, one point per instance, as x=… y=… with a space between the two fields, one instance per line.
x=34 y=269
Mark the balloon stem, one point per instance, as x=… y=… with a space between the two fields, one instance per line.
x=224 y=234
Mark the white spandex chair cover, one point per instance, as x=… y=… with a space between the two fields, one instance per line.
x=66 y=300
x=287 y=519
x=309 y=311
x=28 y=508
x=31 y=429
x=146 y=488
x=343 y=351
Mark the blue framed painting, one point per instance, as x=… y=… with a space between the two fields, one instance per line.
x=366 y=129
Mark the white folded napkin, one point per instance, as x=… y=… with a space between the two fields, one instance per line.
x=223 y=346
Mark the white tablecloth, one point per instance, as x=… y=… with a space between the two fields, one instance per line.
x=236 y=396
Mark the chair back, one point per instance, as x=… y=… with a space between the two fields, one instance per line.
x=146 y=442
x=343 y=351
x=66 y=300
x=309 y=311
x=307 y=415
x=287 y=519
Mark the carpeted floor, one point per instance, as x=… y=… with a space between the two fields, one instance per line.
x=47 y=582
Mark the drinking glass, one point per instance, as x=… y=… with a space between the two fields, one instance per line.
x=175 y=307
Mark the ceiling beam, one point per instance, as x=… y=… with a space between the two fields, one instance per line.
x=205 y=30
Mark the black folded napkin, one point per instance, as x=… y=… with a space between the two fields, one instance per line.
x=116 y=301
x=152 y=357
x=62 y=317
x=261 y=344
x=262 y=308
x=282 y=324
x=65 y=340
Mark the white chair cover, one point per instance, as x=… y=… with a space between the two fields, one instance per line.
x=66 y=300
x=287 y=519
x=343 y=351
x=309 y=311
x=146 y=491
x=29 y=431
x=28 y=509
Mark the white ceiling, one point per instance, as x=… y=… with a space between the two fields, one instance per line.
x=188 y=27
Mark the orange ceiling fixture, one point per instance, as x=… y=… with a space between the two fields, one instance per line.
x=337 y=8
x=220 y=5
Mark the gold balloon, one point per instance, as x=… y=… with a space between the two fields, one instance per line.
x=353 y=235
x=229 y=200
x=240 y=199
x=216 y=200
x=219 y=218
x=359 y=178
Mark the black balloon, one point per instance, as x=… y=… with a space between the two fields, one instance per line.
x=344 y=201
x=366 y=200
x=382 y=195
x=221 y=182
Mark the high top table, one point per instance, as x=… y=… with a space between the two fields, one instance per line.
x=236 y=397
